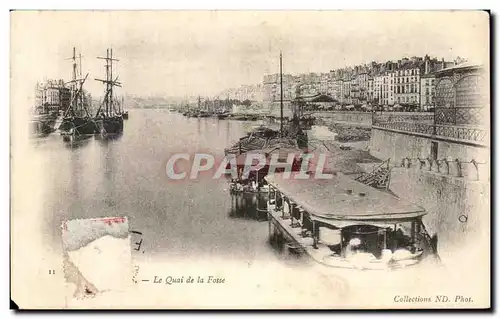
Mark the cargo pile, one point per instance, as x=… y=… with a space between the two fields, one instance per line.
x=350 y=133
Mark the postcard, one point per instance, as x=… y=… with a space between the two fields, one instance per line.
x=250 y=160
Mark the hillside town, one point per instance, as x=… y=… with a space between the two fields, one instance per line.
x=408 y=83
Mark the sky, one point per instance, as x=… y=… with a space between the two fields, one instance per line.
x=190 y=53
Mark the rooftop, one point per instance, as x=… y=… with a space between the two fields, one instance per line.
x=317 y=98
x=342 y=198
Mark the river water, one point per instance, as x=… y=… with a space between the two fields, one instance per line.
x=127 y=177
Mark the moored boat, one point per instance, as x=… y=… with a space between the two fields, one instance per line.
x=78 y=125
x=110 y=124
x=343 y=223
x=76 y=119
x=109 y=117
x=222 y=115
x=42 y=124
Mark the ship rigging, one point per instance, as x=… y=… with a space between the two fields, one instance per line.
x=77 y=119
x=109 y=115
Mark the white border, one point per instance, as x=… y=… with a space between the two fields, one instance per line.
x=185 y=4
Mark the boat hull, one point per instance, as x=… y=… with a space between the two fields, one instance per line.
x=110 y=125
x=78 y=125
x=281 y=230
x=40 y=128
x=42 y=124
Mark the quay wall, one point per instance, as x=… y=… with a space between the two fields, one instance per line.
x=458 y=209
x=386 y=144
x=396 y=145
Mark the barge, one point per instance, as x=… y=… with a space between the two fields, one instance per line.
x=342 y=223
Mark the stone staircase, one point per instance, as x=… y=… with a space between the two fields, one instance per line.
x=378 y=177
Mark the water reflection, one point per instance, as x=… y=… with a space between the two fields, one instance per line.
x=108 y=137
x=78 y=141
x=124 y=175
x=108 y=181
x=75 y=190
x=247 y=205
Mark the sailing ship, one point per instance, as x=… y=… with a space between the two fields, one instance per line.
x=77 y=119
x=223 y=112
x=109 y=118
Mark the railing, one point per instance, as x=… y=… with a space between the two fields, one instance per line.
x=408 y=117
x=473 y=134
x=423 y=128
x=462 y=133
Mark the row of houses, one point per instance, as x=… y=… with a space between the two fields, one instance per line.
x=409 y=81
x=244 y=92
x=52 y=95
x=55 y=95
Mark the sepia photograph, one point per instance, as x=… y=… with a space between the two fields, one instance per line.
x=250 y=159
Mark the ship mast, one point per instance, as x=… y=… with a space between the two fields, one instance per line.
x=74 y=86
x=110 y=83
x=111 y=78
x=281 y=93
x=76 y=104
x=81 y=83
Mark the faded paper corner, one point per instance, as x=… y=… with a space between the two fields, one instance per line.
x=96 y=255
